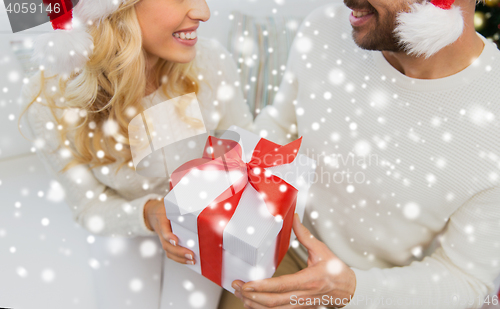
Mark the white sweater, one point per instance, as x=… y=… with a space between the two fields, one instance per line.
x=108 y=204
x=425 y=163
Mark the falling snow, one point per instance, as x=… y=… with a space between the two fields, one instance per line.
x=426 y=150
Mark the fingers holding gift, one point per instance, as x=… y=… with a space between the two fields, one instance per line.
x=166 y=233
x=175 y=252
x=304 y=236
x=274 y=300
x=278 y=292
x=266 y=300
x=179 y=254
x=286 y=283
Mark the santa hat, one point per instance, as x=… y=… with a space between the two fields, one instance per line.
x=69 y=46
x=429 y=27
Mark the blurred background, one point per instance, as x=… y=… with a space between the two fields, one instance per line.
x=46 y=260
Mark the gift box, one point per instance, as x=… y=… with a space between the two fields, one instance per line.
x=234 y=206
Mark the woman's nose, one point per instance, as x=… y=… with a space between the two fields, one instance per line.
x=199 y=10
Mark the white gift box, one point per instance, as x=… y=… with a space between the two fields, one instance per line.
x=250 y=237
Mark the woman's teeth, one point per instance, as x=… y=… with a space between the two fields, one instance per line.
x=185 y=35
x=359 y=14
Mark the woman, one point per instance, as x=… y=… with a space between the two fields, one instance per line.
x=144 y=53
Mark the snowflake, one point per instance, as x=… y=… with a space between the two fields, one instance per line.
x=148 y=248
x=334 y=267
x=362 y=148
x=303 y=45
x=56 y=192
x=95 y=224
x=48 y=275
x=136 y=285
x=110 y=127
x=197 y=299
x=45 y=221
x=116 y=246
x=22 y=272
x=336 y=77
x=94 y=263
x=225 y=92
x=314 y=215
x=411 y=211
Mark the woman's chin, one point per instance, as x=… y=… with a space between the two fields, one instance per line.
x=181 y=56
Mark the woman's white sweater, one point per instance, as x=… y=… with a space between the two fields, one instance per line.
x=110 y=204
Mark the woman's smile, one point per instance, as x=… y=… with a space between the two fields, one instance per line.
x=186 y=36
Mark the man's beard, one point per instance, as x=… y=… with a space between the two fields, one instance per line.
x=382 y=37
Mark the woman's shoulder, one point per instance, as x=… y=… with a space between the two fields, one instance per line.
x=210 y=49
x=32 y=88
x=215 y=63
x=39 y=114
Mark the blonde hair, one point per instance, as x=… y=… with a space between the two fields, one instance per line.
x=108 y=91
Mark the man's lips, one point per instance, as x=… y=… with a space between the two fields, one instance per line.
x=359 y=17
x=361 y=9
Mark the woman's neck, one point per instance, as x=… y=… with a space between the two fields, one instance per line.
x=151 y=85
x=151 y=78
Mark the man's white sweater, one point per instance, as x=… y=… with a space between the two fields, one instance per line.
x=408 y=190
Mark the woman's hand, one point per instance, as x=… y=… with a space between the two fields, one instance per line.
x=157 y=221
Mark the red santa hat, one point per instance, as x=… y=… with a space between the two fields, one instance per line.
x=429 y=27
x=68 y=48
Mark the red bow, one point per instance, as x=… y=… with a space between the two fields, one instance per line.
x=279 y=196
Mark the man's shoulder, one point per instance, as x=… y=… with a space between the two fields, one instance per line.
x=492 y=51
x=489 y=67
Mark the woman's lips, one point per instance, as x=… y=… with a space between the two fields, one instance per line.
x=188 y=38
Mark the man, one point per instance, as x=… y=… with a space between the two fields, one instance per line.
x=405 y=210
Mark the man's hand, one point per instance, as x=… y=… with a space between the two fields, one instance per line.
x=325 y=274
x=156 y=220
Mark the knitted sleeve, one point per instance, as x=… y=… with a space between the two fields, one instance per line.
x=459 y=274
x=96 y=207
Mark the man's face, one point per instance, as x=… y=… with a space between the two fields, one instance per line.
x=374 y=21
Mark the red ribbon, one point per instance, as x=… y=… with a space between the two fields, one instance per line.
x=280 y=197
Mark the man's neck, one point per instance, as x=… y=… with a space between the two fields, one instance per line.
x=448 y=61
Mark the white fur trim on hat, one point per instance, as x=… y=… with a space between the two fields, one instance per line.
x=95 y=10
x=63 y=51
x=426 y=28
